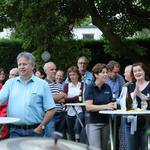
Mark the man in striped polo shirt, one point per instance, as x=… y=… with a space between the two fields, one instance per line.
x=59 y=97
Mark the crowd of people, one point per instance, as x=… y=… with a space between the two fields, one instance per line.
x=38 y=97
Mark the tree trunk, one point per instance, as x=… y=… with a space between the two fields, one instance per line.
x=117 y=42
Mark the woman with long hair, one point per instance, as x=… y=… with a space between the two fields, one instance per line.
x=139 y=90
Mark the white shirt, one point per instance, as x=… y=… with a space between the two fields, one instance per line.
x=74 y=90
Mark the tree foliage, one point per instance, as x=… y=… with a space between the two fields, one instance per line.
x=119 y=19
x=37 y=22
x=9 y=49
x=41 y=22
x=65 y=54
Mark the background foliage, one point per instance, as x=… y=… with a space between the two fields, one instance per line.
x=8 y=53
x=65 y=53
x=40 y=23
x=46 y=25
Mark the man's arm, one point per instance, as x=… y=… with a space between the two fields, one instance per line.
x=60 y=97
x=47 y=117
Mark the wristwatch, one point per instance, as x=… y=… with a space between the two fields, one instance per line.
x=43 y=127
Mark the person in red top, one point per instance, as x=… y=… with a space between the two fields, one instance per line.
x=3 y=113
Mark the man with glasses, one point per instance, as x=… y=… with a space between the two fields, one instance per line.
x=82 y=64
x=87 y=78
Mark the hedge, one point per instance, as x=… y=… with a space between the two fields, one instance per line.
x=65 y=53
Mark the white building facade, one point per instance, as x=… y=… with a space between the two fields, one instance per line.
x=6 y=33
x=89 y=32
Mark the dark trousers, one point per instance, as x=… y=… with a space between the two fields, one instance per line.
x=60 y=123
x=74 y=127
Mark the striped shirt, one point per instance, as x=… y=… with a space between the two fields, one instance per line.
x=56 y=88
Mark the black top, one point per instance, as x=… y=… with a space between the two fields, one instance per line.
x=144 y=91
x=100 y=97
x=140 y=119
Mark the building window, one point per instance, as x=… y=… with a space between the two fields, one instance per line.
x=88 y=36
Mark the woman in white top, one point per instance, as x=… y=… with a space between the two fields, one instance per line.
x=74 y=91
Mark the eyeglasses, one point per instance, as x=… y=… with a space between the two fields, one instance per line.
x=84 y=63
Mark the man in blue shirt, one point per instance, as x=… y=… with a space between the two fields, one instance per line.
x=29 y=99
x=86 y=76
x=115 y=80
x=82 y=64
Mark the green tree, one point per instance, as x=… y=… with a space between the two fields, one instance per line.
x=64 y=54
x=37 y=22
x=41 y=22
x=119 y=19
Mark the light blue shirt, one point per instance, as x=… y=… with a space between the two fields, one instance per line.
x=116 y=85
x=27 y=101
x=88 y=78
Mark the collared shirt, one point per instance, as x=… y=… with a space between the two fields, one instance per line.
x=116 y=85
x=27 y=101
x=74 y=90
x=87 y=78
x=99 y=97
x=56 y=88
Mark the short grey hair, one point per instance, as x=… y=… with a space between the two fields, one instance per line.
x=83 y=57
x=45 y=67
x=28 y=56
x=14 y=69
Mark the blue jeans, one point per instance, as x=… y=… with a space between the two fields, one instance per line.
x=56 y=124
x=50 y=128
x=138 y=140
x=60 y=123
x=14 y=132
